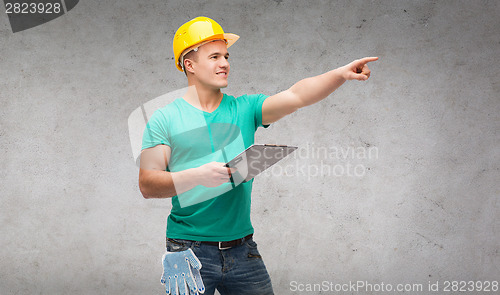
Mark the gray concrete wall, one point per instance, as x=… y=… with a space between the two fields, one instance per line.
x=421 y=137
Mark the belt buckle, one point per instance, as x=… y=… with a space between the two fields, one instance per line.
x=223 y=248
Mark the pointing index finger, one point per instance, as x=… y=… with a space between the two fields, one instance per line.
x=366 y=60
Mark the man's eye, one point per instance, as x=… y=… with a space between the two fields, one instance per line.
x=213 y=57
x=226 y=57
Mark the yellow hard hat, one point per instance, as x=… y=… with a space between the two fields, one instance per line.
x=198 y=31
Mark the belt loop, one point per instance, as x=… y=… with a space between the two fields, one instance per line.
x=197 y=244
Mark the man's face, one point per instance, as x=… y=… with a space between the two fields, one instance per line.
x=211 y=66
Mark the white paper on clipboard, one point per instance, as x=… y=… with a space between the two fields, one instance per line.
x=255 y=159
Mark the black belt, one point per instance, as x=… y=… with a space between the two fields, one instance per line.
x=224 y=245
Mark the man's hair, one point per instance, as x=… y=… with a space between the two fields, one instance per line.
x=193 y=55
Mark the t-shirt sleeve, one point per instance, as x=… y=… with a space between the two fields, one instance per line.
x=156 y=131
x=256 y=101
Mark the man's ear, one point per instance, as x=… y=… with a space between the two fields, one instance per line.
x=188 y=65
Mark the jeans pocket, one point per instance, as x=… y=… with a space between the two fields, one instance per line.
x=251 y=244
x=174 y=245
x=253 y=252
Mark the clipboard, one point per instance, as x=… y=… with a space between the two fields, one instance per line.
x=255 y=159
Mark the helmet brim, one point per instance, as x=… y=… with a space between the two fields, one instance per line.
x=230 y=38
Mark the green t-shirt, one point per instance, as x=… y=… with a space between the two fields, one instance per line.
x=196 y=138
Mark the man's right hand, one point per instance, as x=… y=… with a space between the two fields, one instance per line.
x=214 y=174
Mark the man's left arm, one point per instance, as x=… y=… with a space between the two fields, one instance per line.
x=311 y=90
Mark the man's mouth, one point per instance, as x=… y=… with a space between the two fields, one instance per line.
x=222 y=74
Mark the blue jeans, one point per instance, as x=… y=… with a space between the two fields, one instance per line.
x=238 y=270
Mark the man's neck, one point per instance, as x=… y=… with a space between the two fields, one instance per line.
x=204 y=99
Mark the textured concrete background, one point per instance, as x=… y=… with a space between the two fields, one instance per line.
x=424 y=206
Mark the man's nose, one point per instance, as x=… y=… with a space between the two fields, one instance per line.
x=224 y=63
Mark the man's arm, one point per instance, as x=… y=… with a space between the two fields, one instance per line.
x=311 y=90
x=155 y=182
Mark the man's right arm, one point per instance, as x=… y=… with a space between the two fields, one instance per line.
x=155 y=182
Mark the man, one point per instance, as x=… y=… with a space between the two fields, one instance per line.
x=185 y=147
